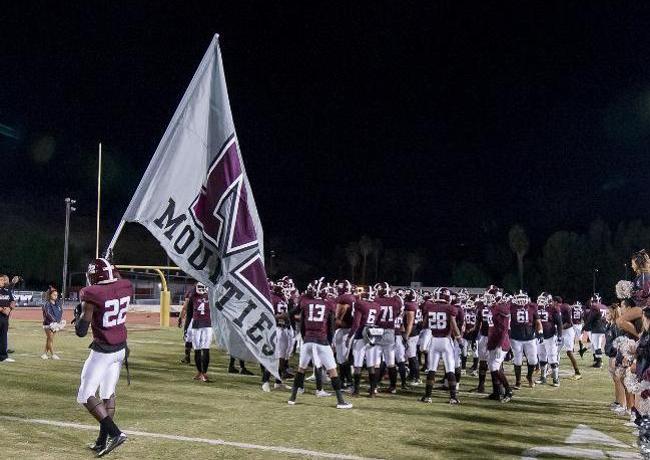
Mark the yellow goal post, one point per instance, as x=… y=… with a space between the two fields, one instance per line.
x=165 y=295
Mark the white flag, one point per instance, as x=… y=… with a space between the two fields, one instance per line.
x=196 y=200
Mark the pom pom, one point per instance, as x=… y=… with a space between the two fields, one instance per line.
x=624 y=289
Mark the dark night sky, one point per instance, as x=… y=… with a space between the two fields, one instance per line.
x=416 y=124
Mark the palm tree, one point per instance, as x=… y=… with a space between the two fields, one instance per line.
x=352 y=254
x=377 y=248
x=414 y=261
x=365 y=247
x=519 y=244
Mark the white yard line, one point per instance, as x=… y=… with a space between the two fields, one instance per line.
x=214 y=442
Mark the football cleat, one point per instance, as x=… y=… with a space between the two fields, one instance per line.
x=426 y=399
x=392 y=390
x=494 y=397
x=507 y=397
x=541 y=381
x=344 y=405
x=517 y=386
x=280 y=386
x=322 y=394
x=531 y=383
x=576 y=377
x=301 y=391
x=474 y=373
x=556 y=382
x=266 y=387
x=44 y=356
x=112 y=443
x=185 y=361
x=454 y=401
x=415 y=382
x=55 y=357
x=291 y=402
x=233 y=370
x=96 y=447
x=405 y=386
x=197 y=376
x=311 y=378
x=244 y=371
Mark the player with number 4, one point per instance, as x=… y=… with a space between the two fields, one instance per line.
x=104 y=303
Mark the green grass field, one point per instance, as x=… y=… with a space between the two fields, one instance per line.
x=164 y=399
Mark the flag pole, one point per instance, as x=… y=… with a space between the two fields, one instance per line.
x=115 y=237
x=99 y=198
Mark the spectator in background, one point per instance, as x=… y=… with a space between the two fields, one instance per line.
x=7 y=303
x=52 y=321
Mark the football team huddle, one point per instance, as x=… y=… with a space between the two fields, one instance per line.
x=342 y=329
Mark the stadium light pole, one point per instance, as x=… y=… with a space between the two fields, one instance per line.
x=68 y=210
x=594 y=280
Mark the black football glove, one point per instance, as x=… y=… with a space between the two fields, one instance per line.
x=540 y=337
x=77 y=313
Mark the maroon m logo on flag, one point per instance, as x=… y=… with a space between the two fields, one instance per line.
x=221 y=208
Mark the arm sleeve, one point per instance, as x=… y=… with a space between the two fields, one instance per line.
x=356 y=322
x=558 y=322
x=331 y=325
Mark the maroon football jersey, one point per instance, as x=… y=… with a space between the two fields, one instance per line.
x=390 y=310
x=484 y=316
x=437 y=317
x=523 y=318
x=499 y=333
x=565 y=311
x=365 y=314
x=577 y=314
x=200 y=310
x=346 y=299
x=551 y=320
x=470 y=323
x=459 y=314
x=315 y=319
x=413 y=306
x=110 y=303
x=280 y=309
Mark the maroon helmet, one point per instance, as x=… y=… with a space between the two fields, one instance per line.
x=411 y=295
x=382 y=289
x=442 y=294
x=101 y=271
x=343 y=287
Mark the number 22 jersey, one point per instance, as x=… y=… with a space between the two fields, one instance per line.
x=110 y=303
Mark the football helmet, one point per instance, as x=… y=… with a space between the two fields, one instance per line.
x=411 y=295
x=314 y=288
x=200 y=288
x=101 y=271
x=544 y=299
x=382 y=289
x=462 y=295
x=442 y=294
x=521 y=298
x=368 y=294
x=469 y=303
x=343 y=287
x=595 y=298
x=327 y=291
x=492 y=294
x=427 y=295
x=399 y=292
